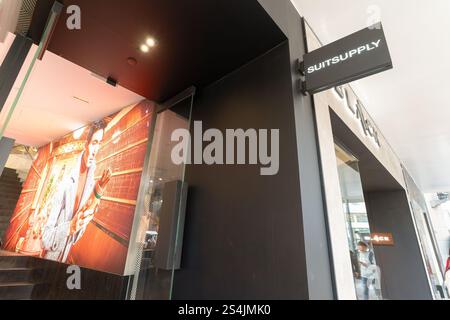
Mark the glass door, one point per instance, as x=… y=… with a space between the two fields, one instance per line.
x=366 y=273
x=160 y=244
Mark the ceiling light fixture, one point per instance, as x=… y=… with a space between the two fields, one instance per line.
x=150 y=42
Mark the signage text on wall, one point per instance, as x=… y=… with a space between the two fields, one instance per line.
x=382 y=239
x=357 y=109
x=356 y=56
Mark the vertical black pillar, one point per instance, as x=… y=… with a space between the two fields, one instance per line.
x=319 y=271
x=11 y=66
x=244 y=237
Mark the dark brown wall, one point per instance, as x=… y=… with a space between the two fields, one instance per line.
x=244 y=236
x=95 y=285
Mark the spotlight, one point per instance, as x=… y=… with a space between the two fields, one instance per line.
x=151 y=42
x=145 y=48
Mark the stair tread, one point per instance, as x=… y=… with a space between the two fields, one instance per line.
x=16 y=284
x=15 y=269
x=10 y=254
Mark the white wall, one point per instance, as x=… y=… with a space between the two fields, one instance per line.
x=21 y=163
x=9 y=15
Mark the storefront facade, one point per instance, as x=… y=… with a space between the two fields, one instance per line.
x=370 y=189
x=213 y=231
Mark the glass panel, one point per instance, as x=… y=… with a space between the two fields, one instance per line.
x=30 y=62
x=429 y=253
x=5 y=45
x=151 y=282
x=367 y=275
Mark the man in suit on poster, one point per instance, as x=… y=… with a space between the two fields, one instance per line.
x=76 y=202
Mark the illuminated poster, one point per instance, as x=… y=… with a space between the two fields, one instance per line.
x=77 y=205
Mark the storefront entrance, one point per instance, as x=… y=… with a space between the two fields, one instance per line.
x=366 y=273
x=97 y=105
x=382 y=240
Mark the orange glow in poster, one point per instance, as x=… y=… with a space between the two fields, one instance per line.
x=78 y=203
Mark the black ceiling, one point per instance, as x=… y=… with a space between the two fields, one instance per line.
x=199 y=41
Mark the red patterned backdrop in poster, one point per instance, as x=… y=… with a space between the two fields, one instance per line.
x=77 y=205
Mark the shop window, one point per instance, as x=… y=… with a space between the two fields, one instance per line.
x=366 y=273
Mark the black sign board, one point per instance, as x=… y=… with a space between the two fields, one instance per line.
x=359 y=55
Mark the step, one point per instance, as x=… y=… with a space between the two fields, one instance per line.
x=10 y=192
x=7 y=174
x=10 y=184
x=10 y=196
x=7 y=203
x=14 y=261
x=8 y=275
x=16 y=291
x=16 y=183
x=7 y=170
x=4 y=219
x=7 y=217
x=9 y=178
x=6 y=213
x=4 y=226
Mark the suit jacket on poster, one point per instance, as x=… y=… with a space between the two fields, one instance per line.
x=55 y=239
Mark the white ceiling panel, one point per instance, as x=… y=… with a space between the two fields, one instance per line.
x=59 y=97
x=409 y=103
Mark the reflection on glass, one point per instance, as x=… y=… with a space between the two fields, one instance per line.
x=150 y=282
x=428 y=250
x=366 y=273
x=7 y=115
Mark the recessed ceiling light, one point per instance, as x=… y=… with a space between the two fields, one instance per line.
x=151 y=42
x=144 y=48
